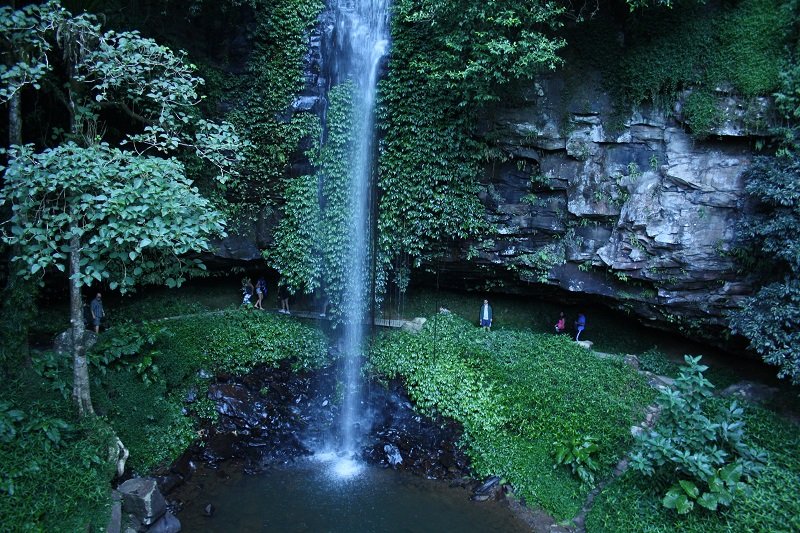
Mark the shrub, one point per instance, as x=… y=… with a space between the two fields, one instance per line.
x=697 y=447
x=577 y=454
x=633 y=502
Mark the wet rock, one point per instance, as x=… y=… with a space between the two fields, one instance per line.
x=414 y=326
x=115 y=520
x=168 y=523
x=208 y=510
x=393 y=456
x=142 y=499
x=632 y=360
x=168 y=482
x=191 y=396
x=183 y=465
x=751 y=391
x=489 y=489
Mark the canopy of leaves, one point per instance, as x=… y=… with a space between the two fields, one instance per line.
x=130 y=224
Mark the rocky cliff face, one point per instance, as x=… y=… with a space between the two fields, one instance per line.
x=633 y=211
x=641 y=215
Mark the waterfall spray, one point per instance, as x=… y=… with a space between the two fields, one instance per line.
x=361 y=43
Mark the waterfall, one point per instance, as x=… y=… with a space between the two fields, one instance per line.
x=361 y=42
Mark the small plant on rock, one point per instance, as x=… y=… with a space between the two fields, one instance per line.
x=698 y=447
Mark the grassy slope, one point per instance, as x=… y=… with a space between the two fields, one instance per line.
x=517 y=394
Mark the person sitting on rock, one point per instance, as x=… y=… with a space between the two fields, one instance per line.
x=580 y=325
x=561 y=325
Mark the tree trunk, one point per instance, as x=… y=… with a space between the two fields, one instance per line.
x=80 y=386
x=15 y=119
x=19 y=295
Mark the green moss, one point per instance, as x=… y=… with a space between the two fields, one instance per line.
x=652 y=54
x=752 y=41
x=701 y=112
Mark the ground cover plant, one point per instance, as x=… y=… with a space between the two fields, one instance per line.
x=519 y=397
x=56 y=475
x=55 y=471
x=151 y=367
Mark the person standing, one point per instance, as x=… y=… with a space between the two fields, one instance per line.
x=261 y=291
x=486 y=316
x=247 y=291
x=97 y=312
x=580 y=325
x=283 y=294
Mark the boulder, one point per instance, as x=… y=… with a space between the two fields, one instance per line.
x=168 y=523
x=751 y=391
x=142 y=499
x=414 y=326
x=489 y=489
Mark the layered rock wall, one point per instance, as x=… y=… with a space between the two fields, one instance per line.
x=640 y=214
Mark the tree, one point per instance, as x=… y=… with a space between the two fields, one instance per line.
x=122 y=214
x=24 y=63
x=769 y=319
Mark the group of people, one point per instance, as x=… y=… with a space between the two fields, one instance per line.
x=260 y=291
x=485 y=320
x=580 y=324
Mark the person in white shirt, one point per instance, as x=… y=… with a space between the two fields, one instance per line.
x=486 y=316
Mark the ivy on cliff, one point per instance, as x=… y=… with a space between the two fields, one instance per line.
x=449 y=63
x=311 y=242
x=274 y=78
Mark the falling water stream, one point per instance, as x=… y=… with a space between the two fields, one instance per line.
x=361 y=43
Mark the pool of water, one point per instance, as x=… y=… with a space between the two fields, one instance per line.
x=312 y=495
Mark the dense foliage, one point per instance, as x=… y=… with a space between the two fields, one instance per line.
x=519 y=397
x=708 y=49
x=697 y=447
x=263 y=98
x=148 y=369
x=95 y=211
x=130 y=226
x=634 y=503
x=56 y=474
x=311 y=242
x=769 y=319
x=449 y=62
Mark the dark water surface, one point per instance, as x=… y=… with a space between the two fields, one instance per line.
x=308 y=496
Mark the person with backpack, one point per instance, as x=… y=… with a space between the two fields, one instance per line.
x=247 y=291
x=580 y=325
